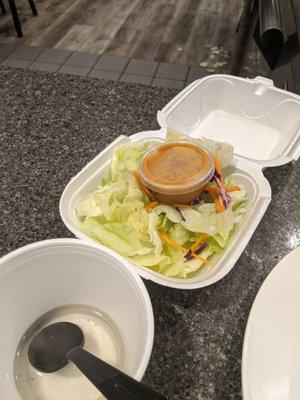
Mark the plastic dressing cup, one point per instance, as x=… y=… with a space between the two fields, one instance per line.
x=175 y=172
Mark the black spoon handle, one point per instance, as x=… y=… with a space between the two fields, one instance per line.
x=112 y=383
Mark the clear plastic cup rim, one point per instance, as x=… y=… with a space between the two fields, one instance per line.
x=190 y=186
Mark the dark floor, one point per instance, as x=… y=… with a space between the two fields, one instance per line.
x=189 y=32
x=105 y=66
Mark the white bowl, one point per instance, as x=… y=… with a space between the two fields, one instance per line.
x=42 y=276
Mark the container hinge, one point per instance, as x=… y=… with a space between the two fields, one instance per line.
x=263 y=81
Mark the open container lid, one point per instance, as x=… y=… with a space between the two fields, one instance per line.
x=261 y=121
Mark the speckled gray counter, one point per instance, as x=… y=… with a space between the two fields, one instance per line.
x=50 y=127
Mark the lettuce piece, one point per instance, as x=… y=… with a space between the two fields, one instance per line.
x=155 y=261
x=175 y=136
x=162 y=222
x=194 y=265
x=98 y=202
x=202 y=219
x=174 y=269
x=238 y=195
x=171 y=213
x=223 y=151
x=214 y=245
x=116 y=236
x=239 y=204
x=138 y=222
x=116 y=200
x=220 y=240
x=89 y=207
x=229 y=181
x=153 y=233
x=127 y=158
x=106 y=181
x=238 y=212
x=182 y=268
x=133 y=191
x=120 y=212
x=179 y=234
x=225 y=223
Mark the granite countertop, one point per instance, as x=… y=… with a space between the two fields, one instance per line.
x=51 y=125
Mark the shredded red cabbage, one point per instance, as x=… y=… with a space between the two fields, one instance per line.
x=224 y=195
x=197 y=201
x=182 y=216
x=189 y=254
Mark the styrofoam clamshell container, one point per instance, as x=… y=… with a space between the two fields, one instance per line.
x=260 y=120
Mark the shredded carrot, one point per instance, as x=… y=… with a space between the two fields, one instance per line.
x=218 y=168
x=218 y=203
x=151 y=205
x=211 y=189
x=198 y=241
x=214 y=193
x=216 y=190
x=232 y=188
x=168 y=240
x=182 y=205
x=200 y=258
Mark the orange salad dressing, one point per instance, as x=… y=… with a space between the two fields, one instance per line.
x=175 y=172
x=176 y=164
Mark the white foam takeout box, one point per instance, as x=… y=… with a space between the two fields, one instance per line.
x=260 y=120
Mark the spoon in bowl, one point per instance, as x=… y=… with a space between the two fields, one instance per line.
x=57 y=344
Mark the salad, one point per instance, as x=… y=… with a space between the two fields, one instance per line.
x=175 y=240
